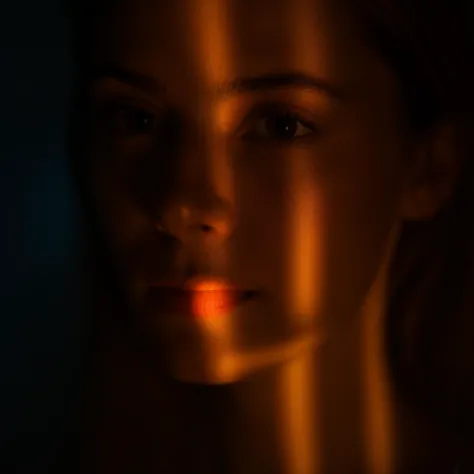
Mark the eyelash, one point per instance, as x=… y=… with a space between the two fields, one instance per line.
x=114 y=115
x=253 y=128
x=264 y=115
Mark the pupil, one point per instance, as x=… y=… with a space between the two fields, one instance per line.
x=139 y=122
x=284 y=126
x=143 y=122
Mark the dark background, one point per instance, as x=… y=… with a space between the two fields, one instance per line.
x=40 y=304
x=40 y=263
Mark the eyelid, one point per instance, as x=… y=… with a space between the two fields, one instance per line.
x=266 y=109
x=110 y=118
x=113 y=104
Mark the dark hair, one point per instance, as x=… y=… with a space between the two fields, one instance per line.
x=430 y=323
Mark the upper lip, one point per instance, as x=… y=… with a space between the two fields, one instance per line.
x=195 y=281
x=205 y=283
x=228 y=294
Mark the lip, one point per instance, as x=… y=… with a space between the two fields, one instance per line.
x=199 y=297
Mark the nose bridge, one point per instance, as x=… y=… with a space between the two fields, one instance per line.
x=200 y=198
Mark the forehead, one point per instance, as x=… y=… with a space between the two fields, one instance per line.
x=213 y=39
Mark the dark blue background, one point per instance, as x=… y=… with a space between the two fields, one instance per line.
x=40 y=304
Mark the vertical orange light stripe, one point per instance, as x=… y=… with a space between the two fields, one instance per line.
x=303 y=239
x=212 y=36
x=379 y=407
x=299 y=377
x=214 y=58
x=298 y=399
x=213 y=27
x=303 y=215
x=299 y=380
x=212 y=302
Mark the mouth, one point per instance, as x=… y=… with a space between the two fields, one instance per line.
x=199 y=297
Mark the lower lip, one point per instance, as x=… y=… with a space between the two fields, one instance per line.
x=198 y=303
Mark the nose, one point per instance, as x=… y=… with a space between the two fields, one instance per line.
x=197 y=215
x=197 y=200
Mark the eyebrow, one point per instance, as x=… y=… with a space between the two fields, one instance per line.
x=237 y=86
x=126 y=76
x=269 y=82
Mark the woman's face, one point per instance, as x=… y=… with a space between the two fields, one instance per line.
x=259 y=142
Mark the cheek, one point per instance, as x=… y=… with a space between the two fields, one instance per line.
x=362 y=195
x=122 y=219
x=318 y=221
x=360 y=213
x=260 y=200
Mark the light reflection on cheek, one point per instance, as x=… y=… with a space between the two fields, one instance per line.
x=304 y=255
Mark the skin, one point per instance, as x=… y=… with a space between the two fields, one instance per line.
x=312 y=220
x=259 y=196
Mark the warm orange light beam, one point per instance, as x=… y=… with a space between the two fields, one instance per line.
x=378 y=409
x=300 y=403
x=211 y=298
x=300 y=377
x=213 y=44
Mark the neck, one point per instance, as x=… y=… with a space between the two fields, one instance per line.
x=330 y=410
x=333 y=410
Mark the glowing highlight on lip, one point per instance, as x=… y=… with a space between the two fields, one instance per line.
x=211 y=298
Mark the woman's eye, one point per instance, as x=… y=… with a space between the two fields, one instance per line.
x=279 y=127
x=129 y=120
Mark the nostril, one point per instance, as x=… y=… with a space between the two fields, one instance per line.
x=206 y=228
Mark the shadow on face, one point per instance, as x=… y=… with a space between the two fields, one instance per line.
x=261 y=144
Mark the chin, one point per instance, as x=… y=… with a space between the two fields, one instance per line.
x=220 y=340
x=206 y=351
